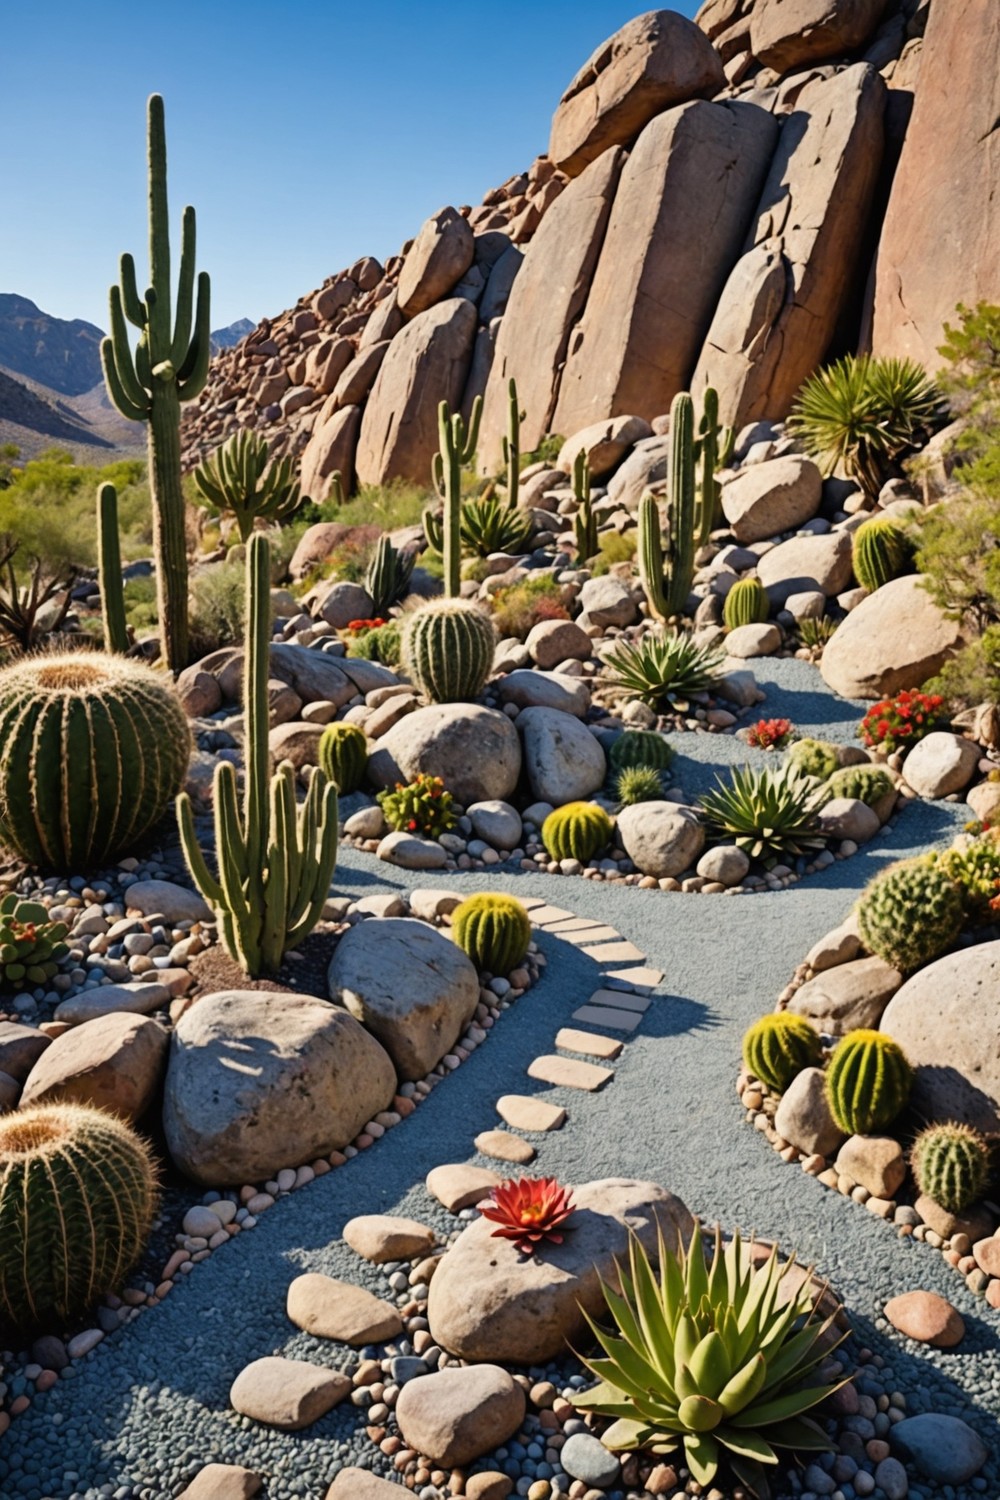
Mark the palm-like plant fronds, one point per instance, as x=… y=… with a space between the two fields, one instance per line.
x=713 y=1358
x=489 y=526
x=770 y=814
x=817 y=631
x=237 y=478
x=664 y=666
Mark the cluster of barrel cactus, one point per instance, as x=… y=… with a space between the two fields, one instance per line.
x=494 y=930
x=343 y=756
x=870 y=784
x=868 y=1082
x=31 y=946
x=447 y=649
x=777 y=1048
x=577 y=830
x=951 y=1164
x=910 y=914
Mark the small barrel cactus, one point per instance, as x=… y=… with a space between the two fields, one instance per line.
x=910 y=914
x=865 y=783
x=576 y=831
x=881 y=552
x=638 y=784
x=640 y=747
x=814 y=758
x=92 y=750
x=493 y=929
x=343 y=756
x=951 y=1164
x=447 y=648
x=777 y=1048
x=746 y=604
x=77 y=1198
x=868 y=1082
x=30 y=945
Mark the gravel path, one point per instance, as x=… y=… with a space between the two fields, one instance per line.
x=146 y=1409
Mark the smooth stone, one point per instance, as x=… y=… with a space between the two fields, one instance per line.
x=584 y=1457
x=803 y=1115
x=457 y=1186
x=926 y=1317
x=456 y=1415
x=848 y=997
x=943 y=1447
x=331 y=1309
x=382 y=1237
x=287 y=1393
x=223 y=1482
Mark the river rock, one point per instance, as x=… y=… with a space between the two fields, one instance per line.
x=926 y=1317
x=410 y=852
x=20 y=1049
x=661 y=838
x=436 y=261
x=476 y=751
x=489 y=1302
x=361 y=1484
x=410 y=985
x=849 y=818
x=848 y=997
x=564 y=762
x=764 y=499
x=944 y=1448
x=330 y=1309
x=803 y=1115
x=496 y=822
x=875 y=1161
x=287 y=1393
x=163 y=898
x=553 y=641
x=608 y=601
x=382 y=1237
x=260 y=1080
x=894 y=639
x=941 y=763
x=454 y=1416
x=114 y=1062
x=527 y=688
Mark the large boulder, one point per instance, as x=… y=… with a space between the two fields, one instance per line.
x=259 y=1080
x=546 y=300
x=895 y=639
x=426 y=363
x=779 y=309
x=657 y=283
x=436 y=261
x=320 y=540
x=654 y=61
x=530 y=689
x=785 y=34
x=409 y=984
x=455 y=1416
x=938 y=245
x=114 y=1062
x=330 y=450
x=807 y=563
x=475 y=751
x=563 y=760
x=946 y=1018
x=489 y=1302
x=605 y=443
x=780 y=494
x=848 y=997
x=661 y=838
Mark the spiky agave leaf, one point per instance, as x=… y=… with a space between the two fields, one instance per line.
x=528 y=1211
x=664 y=666
x=770 y=814
x=487 y=526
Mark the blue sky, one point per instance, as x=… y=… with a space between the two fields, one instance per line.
x=305 y=133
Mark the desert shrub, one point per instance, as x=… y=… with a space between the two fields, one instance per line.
x=971 y=379
x=217 y=607
x=382 y=643
x=958 y=552
x=546 y=453
x=614 y=547
x=50 y=505
x=517 y=609
x=902 y=720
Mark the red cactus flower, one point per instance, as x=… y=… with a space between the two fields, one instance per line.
x=528 y=1211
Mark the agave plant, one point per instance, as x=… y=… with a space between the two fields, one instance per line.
x=664 y=666
x=815 y=633
x=714 y=1358
x=488 y=526
x=771 y=814
x=528 y=1211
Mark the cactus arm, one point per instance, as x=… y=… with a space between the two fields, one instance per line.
x=437 y=474
x=195 y=860
x=159 y=231
x=193 y=373
x=110 y=578
x=208 y=486
x=467 y=444
x=255 y=703
x=185 y=290
x=116 y=389
x=323 y=846
x=709 y=459
x=433 y=529
x=649 y=556
x=135 y=309
x=123 y=360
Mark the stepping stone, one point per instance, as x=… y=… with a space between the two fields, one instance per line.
x=382 y=1237
x=456 y=1415
x=223 y=1482
x=287 y=1393
x=527 y=1112
x=586 y=1041
x=926 y=1317
x=573 y=924
x=620 y=1000
x=596 y=934
x=600 y=1015
x=615 y=953
x=332 y=1309
x=568 y=1073
x=359 y=1484
x=544 y=914
x=640 y=980
x=505 y=1147
x=459 y=1186
x=532 y=903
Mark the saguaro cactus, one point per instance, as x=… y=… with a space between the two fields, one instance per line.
x=512 y=445
x=457 y=447
x=237 y=478
x=667 y=573
x=110 y=577
x=169 y=365
x=585 y=521
x=276 y=860
x=714 y=450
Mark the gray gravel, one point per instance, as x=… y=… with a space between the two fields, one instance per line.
x=146 y=1409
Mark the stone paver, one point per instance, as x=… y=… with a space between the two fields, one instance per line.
x=597 y=934
x=505 y=1147
x=331 y=1309
x=621 y=1000
x=571 y=1040
x=576 y=924
x=287 y=1393
x=568 y=1073
x=634 y=979
x=542 y=915
x=458 y=1186
x=615 y=953
x=523 y=1112
x=600 y=1015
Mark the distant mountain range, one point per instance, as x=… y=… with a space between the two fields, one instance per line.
x=52 y=389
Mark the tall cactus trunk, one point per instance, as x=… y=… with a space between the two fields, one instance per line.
x=169 y=524
x=110 y=563
x=667 y=576
x=256 y=709
x=452 y=506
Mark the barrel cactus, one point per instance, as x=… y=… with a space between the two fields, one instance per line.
x=447 y=649
x=814 y=758
x=910 y=914
x=493 y=929
x=576 y=831
x=951 y=1164
x=865 y=783
x=638 y=784
x=881 y=552
x=868 y=1082
x=777 y=1048
x=343 y=756
x=93 y=749
x=746 y=604
x=640 y=747
x=77 y=1199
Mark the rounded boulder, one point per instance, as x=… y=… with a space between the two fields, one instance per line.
x=661 y=838
x=564 y=761
x=475 y=751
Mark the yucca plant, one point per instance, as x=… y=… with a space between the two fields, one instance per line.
x=770 y=814
x=815 y=633
x=664 y=666
x=712 y=1358
x=489 y=526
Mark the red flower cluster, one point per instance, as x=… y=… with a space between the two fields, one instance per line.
x=767 y=733
x=902 y=720
x=528 y=1211
x=356 y=627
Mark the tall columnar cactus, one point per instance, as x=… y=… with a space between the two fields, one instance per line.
x=512 y=445
x=447 y=649
x=457 y=446
x=585 y=521
x=868 y=1082
x=237 y=478
x=92 y=749
x=388 y=577
x=77 y=1199
x=779 y=1046
x=493 y=929
x=109 y=558
x=746 y=604
x=667 y=572
x=910 y=914
x=577 y=830
x=169 y=366
x=343 y=756
x=640 y=747
x=714 y=450
x=276 y=859
x=951 y=1164
x=880 y=552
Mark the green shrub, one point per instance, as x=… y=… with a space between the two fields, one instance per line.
x=494 y=930
x=422 y=807
x=577 y=830
x=770 y=815
x=972 y=380
x=958 y=555
x=664 y=667
x=383 y=644
x=613 y=547
x=910 y=914
x=49 y=506
x=217 y=610
x=814 y=758
x=779 y=1046
x=868 y=1082
x=518 y=608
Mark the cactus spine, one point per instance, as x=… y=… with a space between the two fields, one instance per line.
x=714 y=450
x=585 y=521
x=275 y=859
x=456 y=447
x=169 y=366
x=910 y=914
x=77 y=1199
x=880 y=553
x=388 y=577
x=778 y=1047
x=494 y=930
x=640 y=747
x=512 y=445
x=236 y=478
x=868 y=1082
x=667 y=574
x=746 y=604
x=951 y=1164
x=447 y=649
x=343 y=756
x=577 y=830
x=109 y=559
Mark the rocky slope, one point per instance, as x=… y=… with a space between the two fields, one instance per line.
x=727 y=203
x=63 y=355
